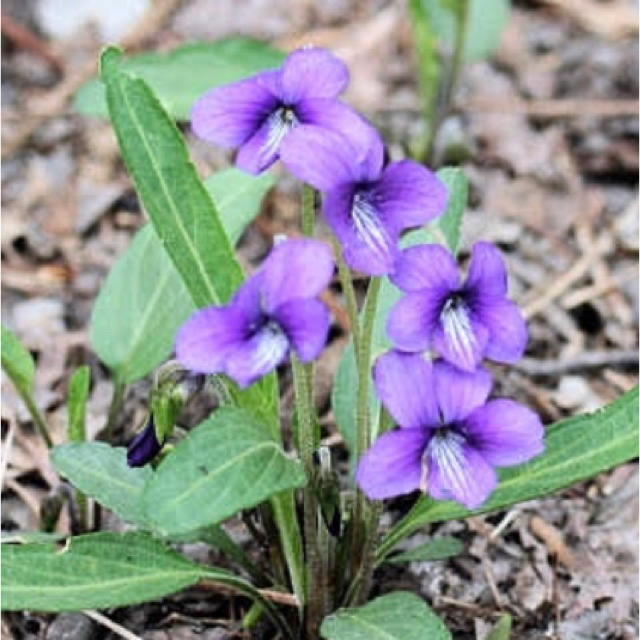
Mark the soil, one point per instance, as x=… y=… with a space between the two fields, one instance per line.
x=554 y=183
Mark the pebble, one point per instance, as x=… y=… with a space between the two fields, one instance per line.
x=71 y=626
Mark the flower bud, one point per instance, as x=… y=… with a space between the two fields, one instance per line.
x=144 y=447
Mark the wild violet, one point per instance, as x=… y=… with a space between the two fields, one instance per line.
x=449 y=439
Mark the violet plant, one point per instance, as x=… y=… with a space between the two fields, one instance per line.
x=412 y=396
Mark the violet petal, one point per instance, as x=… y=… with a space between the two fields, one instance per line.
x=507 y=329
x=229 y=115
x=144 y=447
x=505 y=432
x=409 y=195
x=487 y=274
x=321 y=158
x=262 y=149
x=306 y=324
x=391 y=466
x=313 y=72
x=295 y=268
x=460 y=338
x=413 y=320
x=427 y=266
x=458 y=472
x=404 y=384
x=459 y=392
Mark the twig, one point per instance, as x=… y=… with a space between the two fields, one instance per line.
x=6 y=451
x=586 y=360
x=25 y=38
x=558 y=108
x=279 y=597
x=110 y=624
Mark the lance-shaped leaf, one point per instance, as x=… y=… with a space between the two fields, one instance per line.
x=182 y=212
x=17 y=362
x=93 y=571
x=396 y=616
x=184 y=74
x=450 y=222
x=437 y=549
x=575 y=449
x=226 y=464
x=76 y=403
x=101 y=472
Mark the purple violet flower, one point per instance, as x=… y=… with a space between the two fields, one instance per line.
x=144 y=447
x=256 y=114
x=276 y=309
x=450 y=438
x=366 y=204
x=463 y=323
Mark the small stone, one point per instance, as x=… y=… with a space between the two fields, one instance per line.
x=572 y=392
x=71 y=626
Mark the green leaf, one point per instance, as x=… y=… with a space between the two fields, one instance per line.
x=485 y=22
x=238 y=196
x=181 y=76
x=182 y=212
x=17 y=362
x=101 y=471
x=139 y=309
x=396 y=616
x=30 y=537
x=144 y=301
x=92 y=572
x=450 y=222
x=502 y=629
x=76 y=403
x=575 y=449
x=225 y=464
x=436 y=549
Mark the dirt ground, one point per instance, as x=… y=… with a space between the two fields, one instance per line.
x=547 y=131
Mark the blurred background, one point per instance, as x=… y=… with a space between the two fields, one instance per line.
x=544 y=121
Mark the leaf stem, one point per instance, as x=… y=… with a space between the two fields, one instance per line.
x=37 y=418
x=349 y=293
x=362 y=412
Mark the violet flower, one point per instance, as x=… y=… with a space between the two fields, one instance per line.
x=462 y=322
x=256 y=114
x=450 y=438
x=144 y=447
x=275 y=310
x=366 y=204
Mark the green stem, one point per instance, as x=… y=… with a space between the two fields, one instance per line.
x=308 y=209
x=363 y=425
x=114 y=410
x=349 y=294
x=37 y=418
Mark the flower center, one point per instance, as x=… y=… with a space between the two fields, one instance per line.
x=271 y=345
x=368 y=225
x=445 y=452
x=279 y=123
x=457 y=325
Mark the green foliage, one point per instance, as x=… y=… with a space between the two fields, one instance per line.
x=575 y=449
x=17 y=362
x=182 y=212
x=436 y=549
x=227 y=463
x=181 y=76
x=139 y=309
x=93 y=571
x=502 y=629
x=484 y=24
x=76 y=403
x=396 y=616
x=101 y=472
x=450 y=222
x=143 y=302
